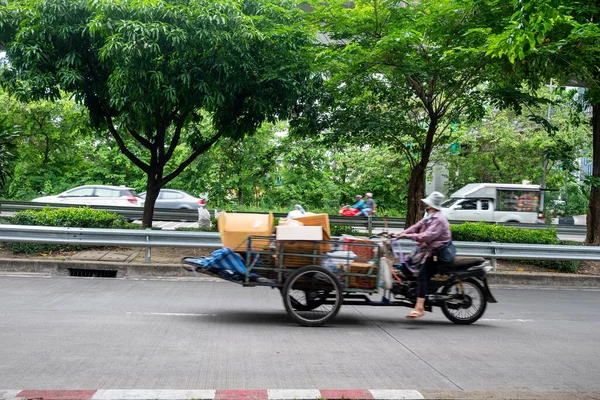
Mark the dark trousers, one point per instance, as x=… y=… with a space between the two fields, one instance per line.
x=427 y=271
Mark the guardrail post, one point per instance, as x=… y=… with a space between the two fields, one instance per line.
x=370 y=224
x=493 y=258
x=148 y=249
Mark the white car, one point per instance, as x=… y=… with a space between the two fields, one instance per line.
x=96 y=195
x=178 y=199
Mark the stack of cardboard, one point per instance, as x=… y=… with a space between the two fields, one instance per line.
x=305 y=241
x=362 y=282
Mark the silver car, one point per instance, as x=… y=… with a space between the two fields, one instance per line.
x=170 y=198
x=96 y=195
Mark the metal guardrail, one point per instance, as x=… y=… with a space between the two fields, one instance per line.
x=154 y=238
x=132 y=212
x=108 y=237
x=369 y=223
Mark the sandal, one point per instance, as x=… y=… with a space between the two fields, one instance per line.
x=414 y=314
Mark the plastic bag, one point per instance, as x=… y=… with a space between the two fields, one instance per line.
x=297 y=212
x=340 y=257
x=385 y=274
x=203 y=218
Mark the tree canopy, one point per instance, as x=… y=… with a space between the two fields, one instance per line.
x=401 y=73
x=157 y=74
x=558 y=39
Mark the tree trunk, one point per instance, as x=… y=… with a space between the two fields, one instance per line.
x=416 y=192
x=593 y=217
x=416 y=184
x=240 y=195
x=46 y=151
x=152 y=190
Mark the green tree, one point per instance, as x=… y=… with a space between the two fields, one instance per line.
x=150 y=71
x=8 y=136
x=55 y=142
x=558 y=39
x=399 y=73
x=57 y=149
x=490 y=148
x=8 y=139
x=236 y=171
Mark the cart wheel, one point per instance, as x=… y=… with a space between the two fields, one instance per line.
x=311 y=303
x=312 y=295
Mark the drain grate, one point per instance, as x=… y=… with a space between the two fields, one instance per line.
x=96 y=273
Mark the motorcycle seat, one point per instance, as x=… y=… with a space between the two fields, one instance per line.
x=464 y=262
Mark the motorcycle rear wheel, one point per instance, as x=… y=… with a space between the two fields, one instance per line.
x=467 y=302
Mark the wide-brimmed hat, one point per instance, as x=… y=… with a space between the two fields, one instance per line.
x=434 y=200
x=358 y=196
x=369 y=194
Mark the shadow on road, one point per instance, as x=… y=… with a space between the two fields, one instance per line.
x=281 y=319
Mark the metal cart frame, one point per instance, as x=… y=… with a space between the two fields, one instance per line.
x=313 y=294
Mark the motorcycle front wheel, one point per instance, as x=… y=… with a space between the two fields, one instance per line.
x=467 y=302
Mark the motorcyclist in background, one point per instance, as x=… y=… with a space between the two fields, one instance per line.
x=369 y=206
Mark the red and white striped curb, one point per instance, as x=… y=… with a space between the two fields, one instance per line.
x=265 y=394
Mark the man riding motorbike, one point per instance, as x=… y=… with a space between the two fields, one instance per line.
x=355 y=209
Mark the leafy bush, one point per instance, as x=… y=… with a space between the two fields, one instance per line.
x=482 y=232
x=83 y=217
x=339 y=230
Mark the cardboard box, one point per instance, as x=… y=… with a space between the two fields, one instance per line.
x=234 y=229
x=362 y=282
x=299 y=233
x=321 y=220
x=308 y=245
x=289 y=222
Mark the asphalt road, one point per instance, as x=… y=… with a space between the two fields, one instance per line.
x=74 y=333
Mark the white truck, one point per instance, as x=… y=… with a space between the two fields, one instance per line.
x=494 y=202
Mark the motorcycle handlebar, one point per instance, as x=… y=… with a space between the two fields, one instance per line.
x=386 y=235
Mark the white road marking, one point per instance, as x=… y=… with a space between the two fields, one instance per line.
x=507 y=320
x=292 y=394
x=172 y=314
x=395 y=394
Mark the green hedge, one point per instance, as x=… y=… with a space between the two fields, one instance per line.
x=339 y=230
x=482 y=232
x=83 y=217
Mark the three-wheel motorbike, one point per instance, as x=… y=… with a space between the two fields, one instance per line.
x=460 y=289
